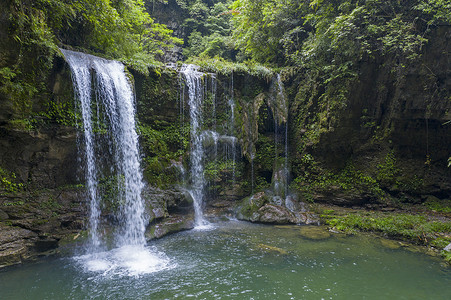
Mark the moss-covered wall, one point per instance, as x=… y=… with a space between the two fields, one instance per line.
x=387 y=140
x=163 y=113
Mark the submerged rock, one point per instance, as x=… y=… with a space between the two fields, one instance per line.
x=271 y=249
x=314 y=232
x=390 y=244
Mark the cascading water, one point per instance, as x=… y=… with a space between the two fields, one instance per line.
x=81 y=77
x=193 y=79
x=204 y=151
x=115 y=101
x=285 y=106
x=231 y=103
x=281 y=172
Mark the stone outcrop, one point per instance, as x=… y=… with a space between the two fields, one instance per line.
x=262 y=207
x=35 y=223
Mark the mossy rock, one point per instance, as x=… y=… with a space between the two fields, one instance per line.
x=250 y=205
x=274 y=214
x=170 y=225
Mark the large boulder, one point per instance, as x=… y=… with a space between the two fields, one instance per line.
x=265 y=208
x=275 y=214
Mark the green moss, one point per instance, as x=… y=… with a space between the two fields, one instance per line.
x=13 y=203
x=251 y=204
x=38 y=222
x=50 y=204
x=414 y=228
x=221 y=170
x=441 y=242
x=160 y=172
x=446 y=256
x=315 y=178
x=265 y=153
x=443 y=206
x=61 y=113
x=21 y=124
x=387 y=171
x=8 y=182
x=110 y=189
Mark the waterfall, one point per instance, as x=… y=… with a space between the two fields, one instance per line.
x=281 y=171
x=285 y=107
x=231 y=103
x=109 y=144
x=194 y=83
x=115 y=98
x=81 y=78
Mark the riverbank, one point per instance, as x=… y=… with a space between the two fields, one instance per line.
x=427 y=225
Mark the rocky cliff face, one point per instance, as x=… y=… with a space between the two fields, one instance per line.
x=392 y=129
x=390 y=142
x=41 y=203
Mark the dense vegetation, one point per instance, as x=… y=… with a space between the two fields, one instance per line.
x=34 y=29
x=317 y=46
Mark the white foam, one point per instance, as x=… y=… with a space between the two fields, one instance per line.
x=204 y=226
x=128 y=260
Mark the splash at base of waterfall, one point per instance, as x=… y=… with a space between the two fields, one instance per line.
x=130 y=260
x=204 y=227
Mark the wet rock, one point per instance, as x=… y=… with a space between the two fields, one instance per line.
x=314 y=232
x=448 y=248
x=159 y=212
x=11 y=234
x=274 y=214
x=12 y=253
x=221 y=208
x=261 y=207
x=15 y=244
x=44 y=159
x=158 y=202
x=71 y=222
x=169 y=225
x=247 y=210
x=39 y=220
x=309 y=218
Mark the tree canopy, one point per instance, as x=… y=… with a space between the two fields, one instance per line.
x=294 y=32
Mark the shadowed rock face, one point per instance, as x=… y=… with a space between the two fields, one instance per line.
x=385 y=112
x=44 y=159
x=48 y=206
x=36 y=223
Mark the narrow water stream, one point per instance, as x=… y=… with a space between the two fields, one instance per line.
x=237 y=260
